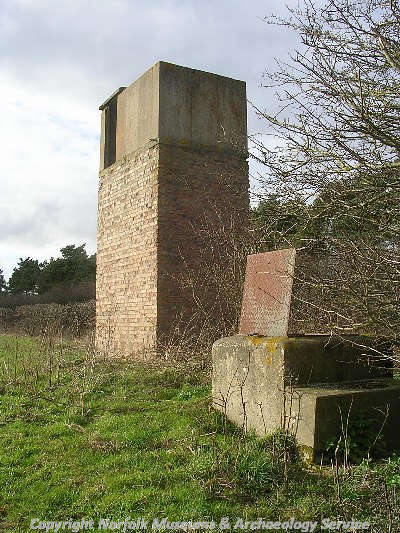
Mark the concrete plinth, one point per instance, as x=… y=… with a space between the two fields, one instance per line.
x=308 y=384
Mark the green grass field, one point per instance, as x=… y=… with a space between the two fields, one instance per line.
x=80 y=438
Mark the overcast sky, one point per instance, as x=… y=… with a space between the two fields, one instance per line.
x=59 y=60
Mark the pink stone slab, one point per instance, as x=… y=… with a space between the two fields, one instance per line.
x=267 y=293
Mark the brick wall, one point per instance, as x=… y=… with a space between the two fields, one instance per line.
x=126 y=282
x=151 y=206
x=201 y=191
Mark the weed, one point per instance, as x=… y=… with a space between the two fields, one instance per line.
x=362 y=439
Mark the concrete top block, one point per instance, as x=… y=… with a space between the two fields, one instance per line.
x=176 y=105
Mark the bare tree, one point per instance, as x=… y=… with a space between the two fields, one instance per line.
x=339 y=93
x=335 y=170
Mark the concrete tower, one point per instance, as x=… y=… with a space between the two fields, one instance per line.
x=173 y=144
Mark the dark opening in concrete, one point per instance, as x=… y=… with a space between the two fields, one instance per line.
x=110 y=108
x=110 y=133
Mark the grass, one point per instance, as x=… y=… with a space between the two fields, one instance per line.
x=82 y=438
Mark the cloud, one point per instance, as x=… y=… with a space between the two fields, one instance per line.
x=49 y=183
x=60 y=60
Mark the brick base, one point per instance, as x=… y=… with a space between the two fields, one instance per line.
x=151 y=206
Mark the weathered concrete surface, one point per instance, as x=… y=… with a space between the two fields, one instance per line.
x=201 y=108
x=302 y=384
x=247 y=382
x=138 y=113
x=326 y=413
x=180 y=149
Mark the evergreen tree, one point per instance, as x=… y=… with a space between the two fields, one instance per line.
x=25 y=277
x=73 y=267
x=3 y=284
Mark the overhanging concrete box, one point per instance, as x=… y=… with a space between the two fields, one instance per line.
x=307 y=384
